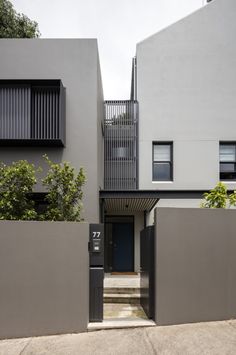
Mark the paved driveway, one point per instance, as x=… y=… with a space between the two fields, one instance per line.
x=189 y=339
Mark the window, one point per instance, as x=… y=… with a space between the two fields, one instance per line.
x=117 y=150
x=162 y=161
x=32 y=112
x=228 y=161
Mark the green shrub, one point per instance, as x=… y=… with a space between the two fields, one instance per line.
x=16 y=182
x=232 y=199
x=216 y=198
x=64 y=192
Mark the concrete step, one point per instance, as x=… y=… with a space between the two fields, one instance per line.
x=121 y=298
x=118 y=290
x=120 y=324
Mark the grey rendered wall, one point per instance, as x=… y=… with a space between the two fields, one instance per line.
x=195 y=265
x=76 y=63
x=44 y=275
x=186 y=94
x=181 y=203
x=100 y=120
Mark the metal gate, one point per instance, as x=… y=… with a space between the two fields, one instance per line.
x=147 y=271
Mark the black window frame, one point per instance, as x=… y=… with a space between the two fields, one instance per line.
x=35 y=84
x=223 y=175
x=170 y=162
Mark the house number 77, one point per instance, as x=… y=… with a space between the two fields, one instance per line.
x=96 y=235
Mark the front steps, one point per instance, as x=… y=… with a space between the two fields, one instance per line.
x=122 y=307
x=122 y=289
x=129 y=295
x=121 y=324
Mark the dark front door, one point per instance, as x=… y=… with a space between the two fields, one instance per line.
x=122 y=235
x=119 y=242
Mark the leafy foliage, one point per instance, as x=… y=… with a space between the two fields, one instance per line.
x=64 y=189
x=15 y=25
x=217 y=197
x=232 y=199
x=16 y=181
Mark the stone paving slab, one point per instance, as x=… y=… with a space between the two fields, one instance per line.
x=123 y=310
x=122 y=315
x=122 y=323
x=121 y=281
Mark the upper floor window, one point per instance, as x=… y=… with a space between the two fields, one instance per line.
x=162 y=161
x=32 y=112
x=119 y=150
x=228 y=161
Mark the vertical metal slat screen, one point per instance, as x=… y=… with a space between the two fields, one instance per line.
x=15 y=113
x=121 y=145
x=45 y=113
x=29 y=113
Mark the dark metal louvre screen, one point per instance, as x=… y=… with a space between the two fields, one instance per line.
x=120 y=145
x=45 y=113
x=32 y=112
x=15 y=113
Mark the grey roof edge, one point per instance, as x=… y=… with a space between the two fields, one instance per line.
x=166 y=194
x=93 y=39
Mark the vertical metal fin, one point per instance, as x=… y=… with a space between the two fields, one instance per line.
x=14 y=112
x=32 y=112
x=120 y=145
x=45 y=113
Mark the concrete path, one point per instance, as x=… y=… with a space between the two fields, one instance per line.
x=123 y=310
x=122 y=315
x=215 y=338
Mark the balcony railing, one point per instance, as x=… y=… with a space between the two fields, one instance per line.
x=121 y=145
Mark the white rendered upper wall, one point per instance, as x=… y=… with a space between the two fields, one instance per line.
x=186 y=83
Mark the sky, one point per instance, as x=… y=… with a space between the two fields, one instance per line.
x=117 y=24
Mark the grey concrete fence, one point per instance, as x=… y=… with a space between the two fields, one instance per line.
x=44 y=278
x=195 y=265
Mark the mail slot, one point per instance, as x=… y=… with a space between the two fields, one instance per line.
x=96 y=246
